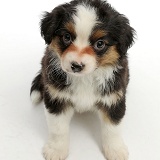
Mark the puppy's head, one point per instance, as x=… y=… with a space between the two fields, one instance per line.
x=86 y=34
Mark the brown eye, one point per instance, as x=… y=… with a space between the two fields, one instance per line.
x=67 y=38
x=99 y=45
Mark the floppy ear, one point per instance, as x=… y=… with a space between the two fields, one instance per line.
x=50 y=22
x=126 y=37
x=122 y=33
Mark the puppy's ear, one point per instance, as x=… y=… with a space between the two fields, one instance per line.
x=122 y=33
x=126 y=37
x=50 y=22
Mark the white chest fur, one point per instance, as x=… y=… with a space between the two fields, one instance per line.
x=84 y=95
x=83 y=90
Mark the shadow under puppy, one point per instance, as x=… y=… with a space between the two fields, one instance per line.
x=84 y=68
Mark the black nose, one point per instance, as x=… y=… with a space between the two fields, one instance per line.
x=77 y=67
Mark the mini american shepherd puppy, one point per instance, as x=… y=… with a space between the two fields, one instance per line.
x=84 y=68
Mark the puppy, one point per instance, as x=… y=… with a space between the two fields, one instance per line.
x=84 y=68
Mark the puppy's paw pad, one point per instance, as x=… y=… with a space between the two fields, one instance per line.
x=116 y=153
x=51 y=153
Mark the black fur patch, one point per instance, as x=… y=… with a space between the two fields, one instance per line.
x=115 y=112
x=52 y=71
x=56 y=106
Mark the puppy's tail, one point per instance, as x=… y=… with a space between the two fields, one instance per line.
x=36 y=91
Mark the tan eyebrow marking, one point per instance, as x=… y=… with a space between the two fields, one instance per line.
x=70 y=27
x=98 y=34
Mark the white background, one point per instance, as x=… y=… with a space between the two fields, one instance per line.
x=23 y=128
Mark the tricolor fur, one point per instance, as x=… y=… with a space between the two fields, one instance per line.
x=85 y=68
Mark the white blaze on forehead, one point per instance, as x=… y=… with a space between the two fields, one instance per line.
x=85 y=20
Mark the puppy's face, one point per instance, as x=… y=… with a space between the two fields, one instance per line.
x=85 y=36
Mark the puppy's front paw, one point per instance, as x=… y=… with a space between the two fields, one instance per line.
x=52 y=153
x=112 y=152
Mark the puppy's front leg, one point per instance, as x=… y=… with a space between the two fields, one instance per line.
x=112 y=142
x=57 y=146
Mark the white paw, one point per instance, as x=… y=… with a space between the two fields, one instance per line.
x=51 y=153
x=115 y=152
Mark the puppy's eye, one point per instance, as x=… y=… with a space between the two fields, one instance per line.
x=67 y=38
x=99 y=45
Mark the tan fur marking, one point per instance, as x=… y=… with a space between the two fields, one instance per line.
x=54 y=46
x=112 y=98
x=88 y=50
x=71 y=48
x=70 y=27
x=105 y=117
x=98 y=34
x=110 y=58
x=115 y=96
x=55 y=93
